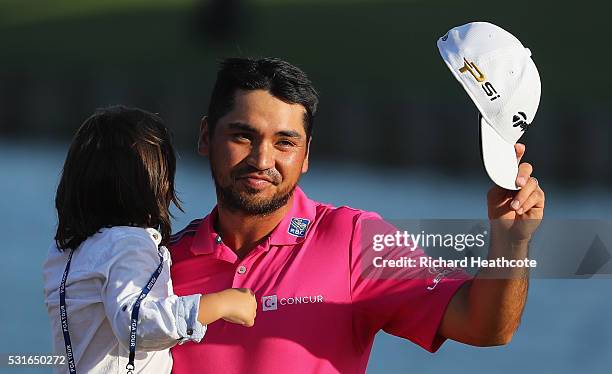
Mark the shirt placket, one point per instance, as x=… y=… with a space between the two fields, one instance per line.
x=242 y=267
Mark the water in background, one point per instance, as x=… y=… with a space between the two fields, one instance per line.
x=566 y=328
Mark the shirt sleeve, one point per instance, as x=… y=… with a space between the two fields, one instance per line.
x=404 y=301
x=164 y=318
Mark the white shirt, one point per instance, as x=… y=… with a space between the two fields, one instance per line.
x=107 y=274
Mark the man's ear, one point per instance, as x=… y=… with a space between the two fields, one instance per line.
x=203 y=140
x=305 y=163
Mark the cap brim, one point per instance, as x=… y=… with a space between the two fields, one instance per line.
x=498 y=156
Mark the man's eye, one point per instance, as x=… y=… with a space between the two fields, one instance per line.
x=240 y=137
x=285 y=143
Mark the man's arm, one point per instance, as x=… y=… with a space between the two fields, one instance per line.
x=487 y=310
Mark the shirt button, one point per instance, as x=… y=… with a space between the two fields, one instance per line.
x=242 y=269
x=189 y=332
x=218 y=239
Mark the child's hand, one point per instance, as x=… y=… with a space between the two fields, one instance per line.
x=240 y=306
x=235 y=305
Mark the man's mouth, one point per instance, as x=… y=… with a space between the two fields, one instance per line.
x=256 y=181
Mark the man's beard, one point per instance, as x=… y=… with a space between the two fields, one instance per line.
x=247 y=201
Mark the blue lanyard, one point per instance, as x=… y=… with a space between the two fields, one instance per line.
x=64 y=317
x=133 y=323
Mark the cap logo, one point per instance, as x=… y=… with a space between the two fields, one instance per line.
x=487 y=87
x=298 y=227
x=520 y=119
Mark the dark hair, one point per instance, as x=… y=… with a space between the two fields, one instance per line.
x=283 y=80
x=119 y=172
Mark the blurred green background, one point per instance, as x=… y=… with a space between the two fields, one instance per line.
x=386 y=96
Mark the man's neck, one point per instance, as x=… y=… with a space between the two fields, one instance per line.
x=242 y=232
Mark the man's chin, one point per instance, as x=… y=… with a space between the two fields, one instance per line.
x=254 y=201
x=248 y=192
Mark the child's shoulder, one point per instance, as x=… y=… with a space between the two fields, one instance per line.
x=111 y=241
x=122 y=233
x=117 y=244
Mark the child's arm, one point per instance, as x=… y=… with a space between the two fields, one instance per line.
x=235 y=305
x=163 y=321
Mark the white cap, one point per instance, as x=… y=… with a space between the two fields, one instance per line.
x=498 y=73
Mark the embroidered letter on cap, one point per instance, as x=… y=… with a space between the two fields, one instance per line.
x=471 y=67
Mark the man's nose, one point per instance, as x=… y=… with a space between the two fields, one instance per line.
x=261 y=156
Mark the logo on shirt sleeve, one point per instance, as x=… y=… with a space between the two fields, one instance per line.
x=440 y=273
x=298 y=226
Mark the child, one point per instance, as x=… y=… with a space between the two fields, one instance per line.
x=107 y=278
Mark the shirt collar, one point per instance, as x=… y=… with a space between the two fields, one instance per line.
x=292 y=229
x=205 y=239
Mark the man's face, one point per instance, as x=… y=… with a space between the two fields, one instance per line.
x=257 y=152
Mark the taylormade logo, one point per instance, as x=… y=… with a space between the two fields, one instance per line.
x=272 y=302
x=487 y=87
x=520 y=119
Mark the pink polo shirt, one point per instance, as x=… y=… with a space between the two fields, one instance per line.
x=320 y=300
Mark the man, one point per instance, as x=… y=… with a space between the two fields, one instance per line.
x=319 y=307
